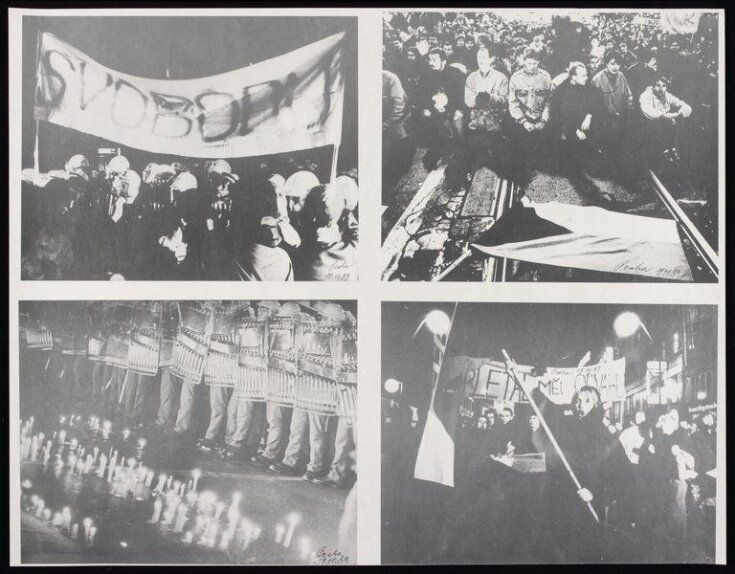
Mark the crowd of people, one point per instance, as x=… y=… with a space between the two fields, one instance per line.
x=650 y=483
x=480 y=89
x=188 y=221
x=280 y=378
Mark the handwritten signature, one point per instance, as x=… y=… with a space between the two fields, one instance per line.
x=326 y=557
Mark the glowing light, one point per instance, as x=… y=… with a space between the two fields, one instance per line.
x=141 y=443
x=701 y=395
x=26 y=483
x=626 y=324
x=123 y=543
x=437 y=322
x=392 y=386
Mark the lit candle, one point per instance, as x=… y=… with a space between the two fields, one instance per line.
x=292 y=520
x=66 y=518
x=196 y=474
x=102 y=465
x=233 y=512
x=75 y=531
x=58 y=519
x=180 y=518
x=169 y=481
x=72 y=461
x=150 y=475
x=62 y=437
x=95 y=454
x=157 y=507
x=92 y=534
x=188 y=537
x=88 y=464
x=280 y=531
x=219 y=509
x=86 y=525
x=126 y=434
x=40 y=506
x=161 y=482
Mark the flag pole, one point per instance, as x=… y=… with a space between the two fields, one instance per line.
x=510 y=366
x=36 y=153
x=441 y=347
x=333 y=169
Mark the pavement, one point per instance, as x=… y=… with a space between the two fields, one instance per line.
x=426 y=228
x=125 y=536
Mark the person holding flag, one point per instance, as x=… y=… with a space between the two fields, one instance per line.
x=598 y=461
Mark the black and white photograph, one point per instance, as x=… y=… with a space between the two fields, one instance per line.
x=549 y=433
x=188 y=432
x=189 y=148
x=561 y=145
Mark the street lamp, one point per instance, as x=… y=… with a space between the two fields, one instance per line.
x=437 y=322
x=627 y=324
x=392 y=386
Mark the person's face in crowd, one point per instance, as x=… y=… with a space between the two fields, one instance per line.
x=668 y=424
x=660 y=88
x=422 y=46
x=270 y=235
x=469 y=43
x=490 y=415
x=584 y=404
x=623 y=49
x=448 y=49
x=506 y=416
x=482 y=423
x=580 y=76
x=119 y=186
x=595 y=62
x=459 y=42
x=538 y=41
x=435 y=62
x=530 y=65
x=433 y=41
x=640 y=418
x=484 y=61
x=652 y=64
x=350 y=224
x=534 y=422
x=613 y=67
x=411 y=56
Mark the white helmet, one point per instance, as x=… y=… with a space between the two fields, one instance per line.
x=347 y=186
x=117 y=165
x=185 y=181
x=300 y=183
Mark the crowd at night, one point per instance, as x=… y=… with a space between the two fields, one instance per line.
x=500 y=90
x=539 y=480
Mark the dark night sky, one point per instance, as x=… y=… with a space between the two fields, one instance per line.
x=189 y=47
x=555 y=335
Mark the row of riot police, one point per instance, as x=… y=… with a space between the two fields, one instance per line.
x=281 y=378
x=195 y=221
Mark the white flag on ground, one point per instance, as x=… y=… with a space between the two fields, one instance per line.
x=588 y=238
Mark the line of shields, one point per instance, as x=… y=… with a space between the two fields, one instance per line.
x=289 y=361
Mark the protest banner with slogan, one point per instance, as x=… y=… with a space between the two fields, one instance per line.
x=284 y=104
x=488 y=378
